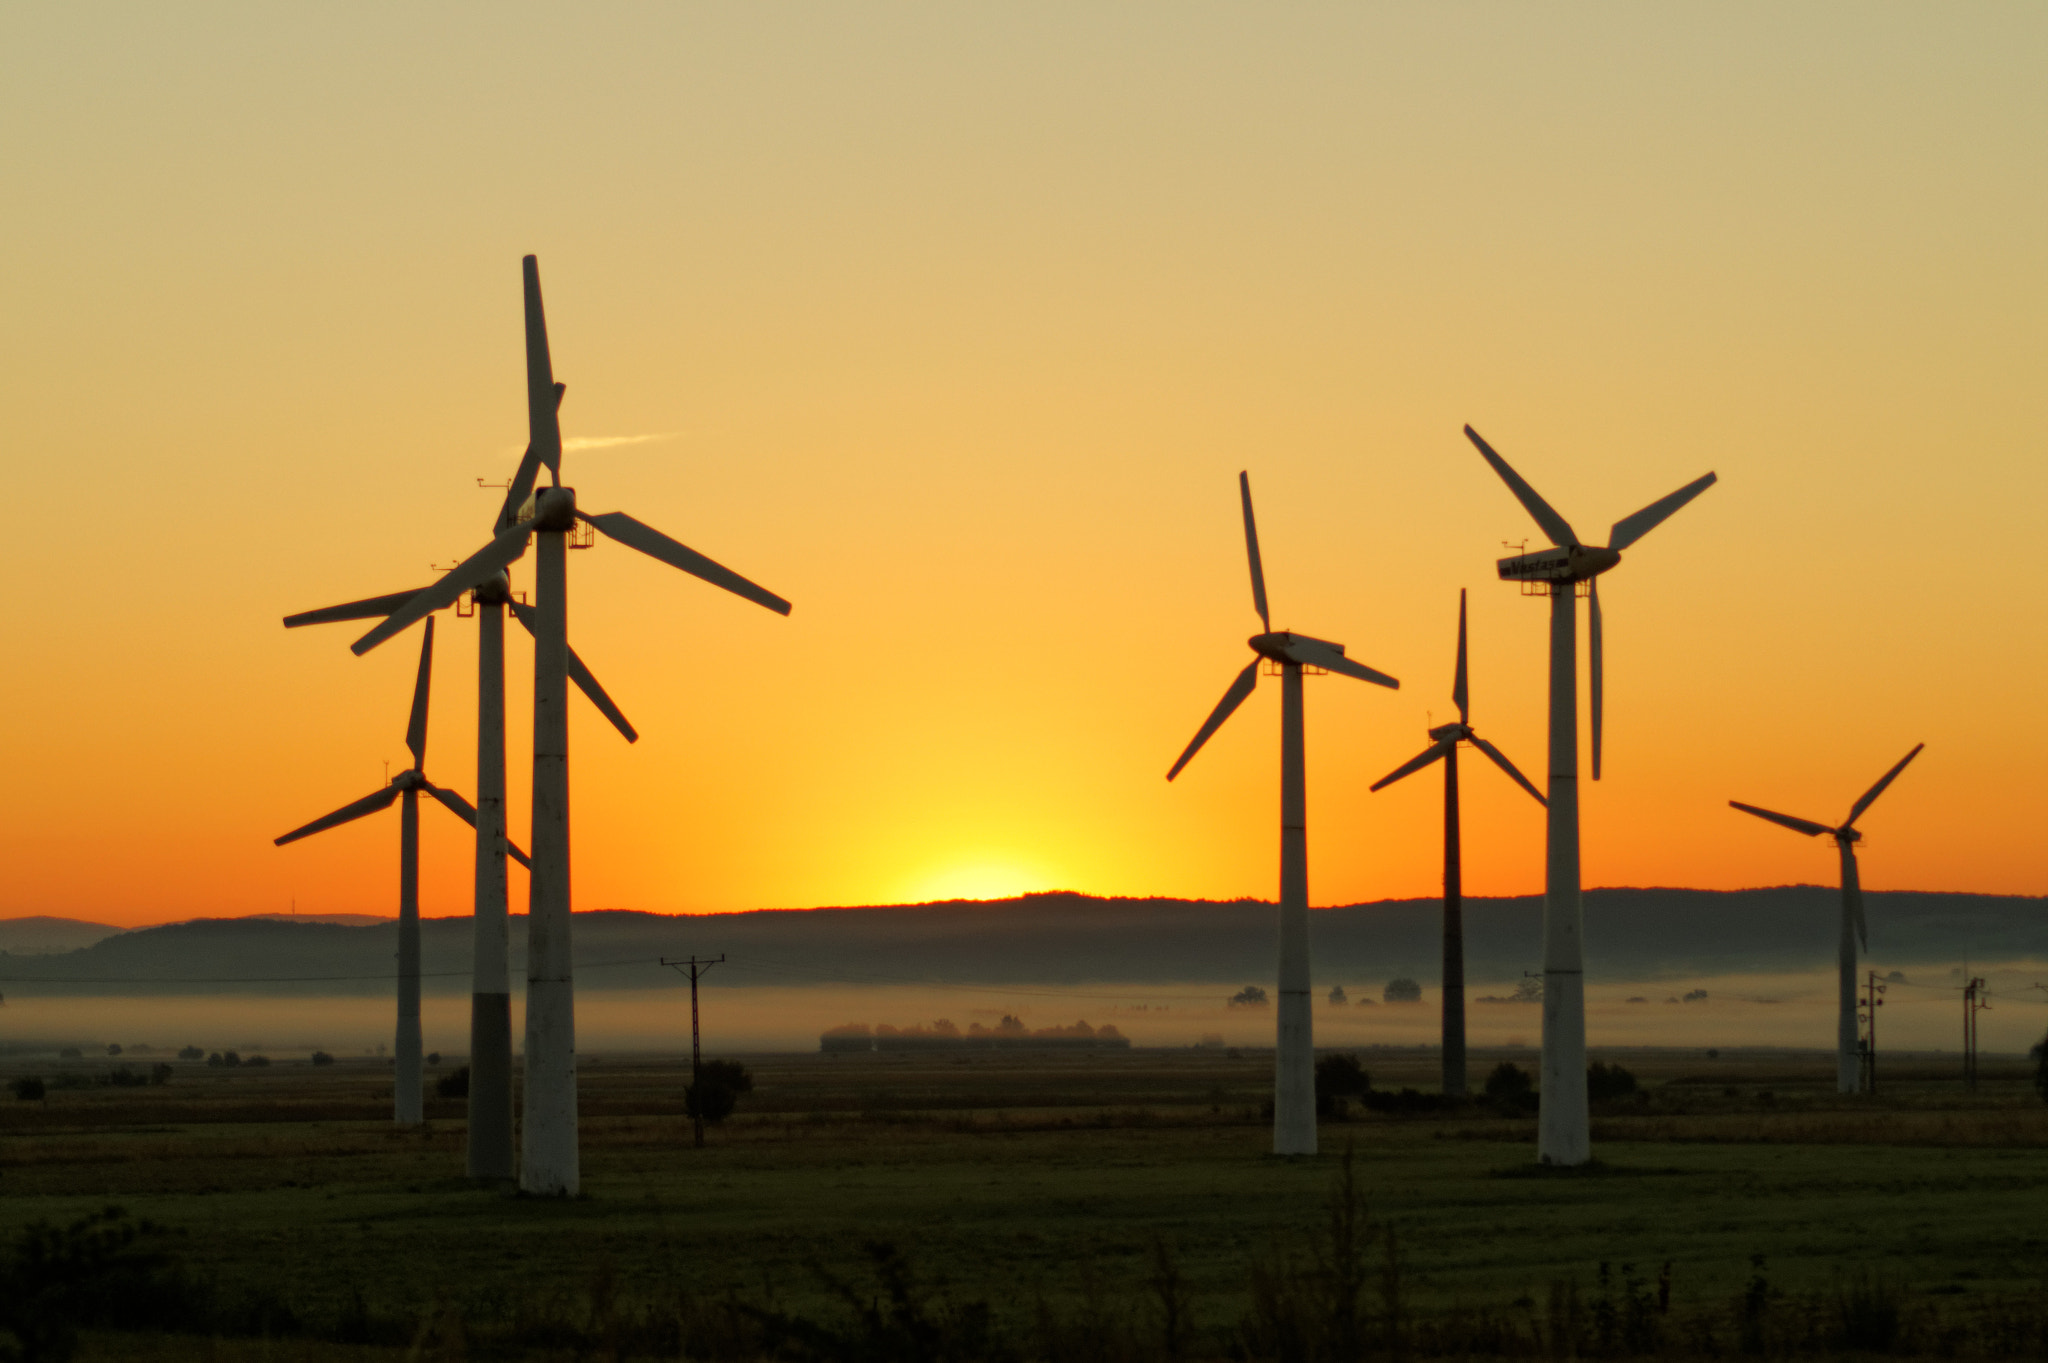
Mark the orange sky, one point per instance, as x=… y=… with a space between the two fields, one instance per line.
x=955 y=326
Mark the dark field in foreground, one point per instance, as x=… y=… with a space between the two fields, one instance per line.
x=1054 y=1188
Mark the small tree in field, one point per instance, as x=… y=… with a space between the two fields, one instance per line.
x=717 y=1090
x=2040 y=1054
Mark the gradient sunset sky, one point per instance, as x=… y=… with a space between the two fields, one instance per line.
x=954 y=325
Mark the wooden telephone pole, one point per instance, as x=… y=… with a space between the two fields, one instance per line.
x=696 y=970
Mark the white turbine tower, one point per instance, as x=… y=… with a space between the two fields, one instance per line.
x=1563 y=1128
x=1854 y=929
x=1445 y=748
x=548 y=1145
x=1294 y=1081
x=407 y=785
x=491 y=1154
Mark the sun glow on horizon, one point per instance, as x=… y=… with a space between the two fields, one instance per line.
x=978 y=878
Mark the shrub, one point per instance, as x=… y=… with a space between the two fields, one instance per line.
x=2040 y=1054
x=114 y=1049
x=160 y=1073
x=231 y=1059
x=322 y=1058
x=214 y=1060
x=29 y=1089
x=1510 y=1088
x=91 y=1272
x=1338 y=1078
x=191 y=1053
x=434 y=1058
x=1251 y=996
x=255 y=1059
x=70 y=1053
x=454 y=1084
x=1604 y=1083
x=1338 y=996
x=717 y=1090
x=1402 y=991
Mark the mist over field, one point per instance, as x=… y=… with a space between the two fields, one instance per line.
x=1679 y=968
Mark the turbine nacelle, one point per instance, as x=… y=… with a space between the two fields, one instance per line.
x=409 y=779
x=1284 y=646
x=1451 y=733
x=549 y=508
x=1571 y=563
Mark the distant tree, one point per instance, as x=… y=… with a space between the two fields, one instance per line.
x=2040 y=1054
x=160 y=1073
x=191 y=1053
x=231 y=1059
x=717 y=1090
x=1402 y=991
x=1510 y=1087
x=322 y=1058
x=433 y=1057
x=1251 y=996
x=1605 y=1083
x=1695 y=996
x=28 y=1089
x=215 y=1060
x=70 y=1053
x=454 y=1084
x=1338 y=1079
x=257 y=1060
x=114 y=1049
x=1337 y=995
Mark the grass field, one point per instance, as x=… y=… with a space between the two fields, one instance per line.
x=1077 y=1195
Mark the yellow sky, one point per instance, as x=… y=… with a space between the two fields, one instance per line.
x=956 y=324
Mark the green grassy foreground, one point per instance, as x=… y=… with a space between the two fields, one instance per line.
x=1049 y=1187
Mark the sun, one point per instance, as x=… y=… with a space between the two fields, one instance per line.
x=978 y=878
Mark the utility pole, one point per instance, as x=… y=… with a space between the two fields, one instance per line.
x=1873 y=999
x=1974 y=1002
x=696 y=970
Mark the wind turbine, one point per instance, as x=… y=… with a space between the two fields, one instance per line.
x=548 y=1147
x=1854 y=929
x=406 y=786
x=1445 y=748
x=1563 y=1128
x=491 y=1154
x=1294 y=1080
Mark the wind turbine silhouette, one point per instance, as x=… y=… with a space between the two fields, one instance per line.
x=407 y=785
x=1563 y=1126
x=491 y=1155
x=1294 y=1085
x=1445 y=749
x=1854 y=929
x=549 y=1161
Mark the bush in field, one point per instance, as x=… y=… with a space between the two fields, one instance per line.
x=90 y=1273
x=1510 y=1088
x=454 y=1084
x=70 y=1053
x=1402 y=991
x=1339 y=1078
x=114 y=1049
x=322 y=1058
x=191 y=1053
x=1251 y=996
x=160 y=1073
x=2040 y=1054
x=257 y=1060
x=717 y=1090
x=1605 y=1083
x=29 y=1089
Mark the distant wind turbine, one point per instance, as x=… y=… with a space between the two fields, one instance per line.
x=549 y=1162
x=1854 y=929
x=1294 y=1084
x=407 y=785
x=1563 y=1127
x=1445 y=748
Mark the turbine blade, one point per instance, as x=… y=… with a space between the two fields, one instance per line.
x=369 y=608
x=416 y=728
x=1598 y=668
x=1500 y=759
x=465 y=811
x=479 y=568
x=1324 y=654
x=543 y=395
x=348 y=813
x=1629 y=529
x=1416 y=763
x=654 y=544
x=1461 y=695
x=1870 y=795
x=1251 y=552
x=1806 y=826
x=1555 y=526
x=585 y=682
x=1232 y=698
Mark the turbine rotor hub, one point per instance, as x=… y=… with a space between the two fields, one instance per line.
x=1460 y=732
x=1575 y=563
x=551 y=509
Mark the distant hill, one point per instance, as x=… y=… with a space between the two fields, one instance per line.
x=346 y=920
x=40 y=936
x=1060 y=938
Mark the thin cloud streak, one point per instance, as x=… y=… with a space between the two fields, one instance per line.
x=605 y=442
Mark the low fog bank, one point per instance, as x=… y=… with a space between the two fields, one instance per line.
x=1923 y=1012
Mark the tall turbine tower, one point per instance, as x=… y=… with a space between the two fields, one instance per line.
x=407 y=785
x=1294 y=1060
x=549 y=1161
x=1447 y=738
x=1563 y=1128
x=1854 y=929
x=491 y=1154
